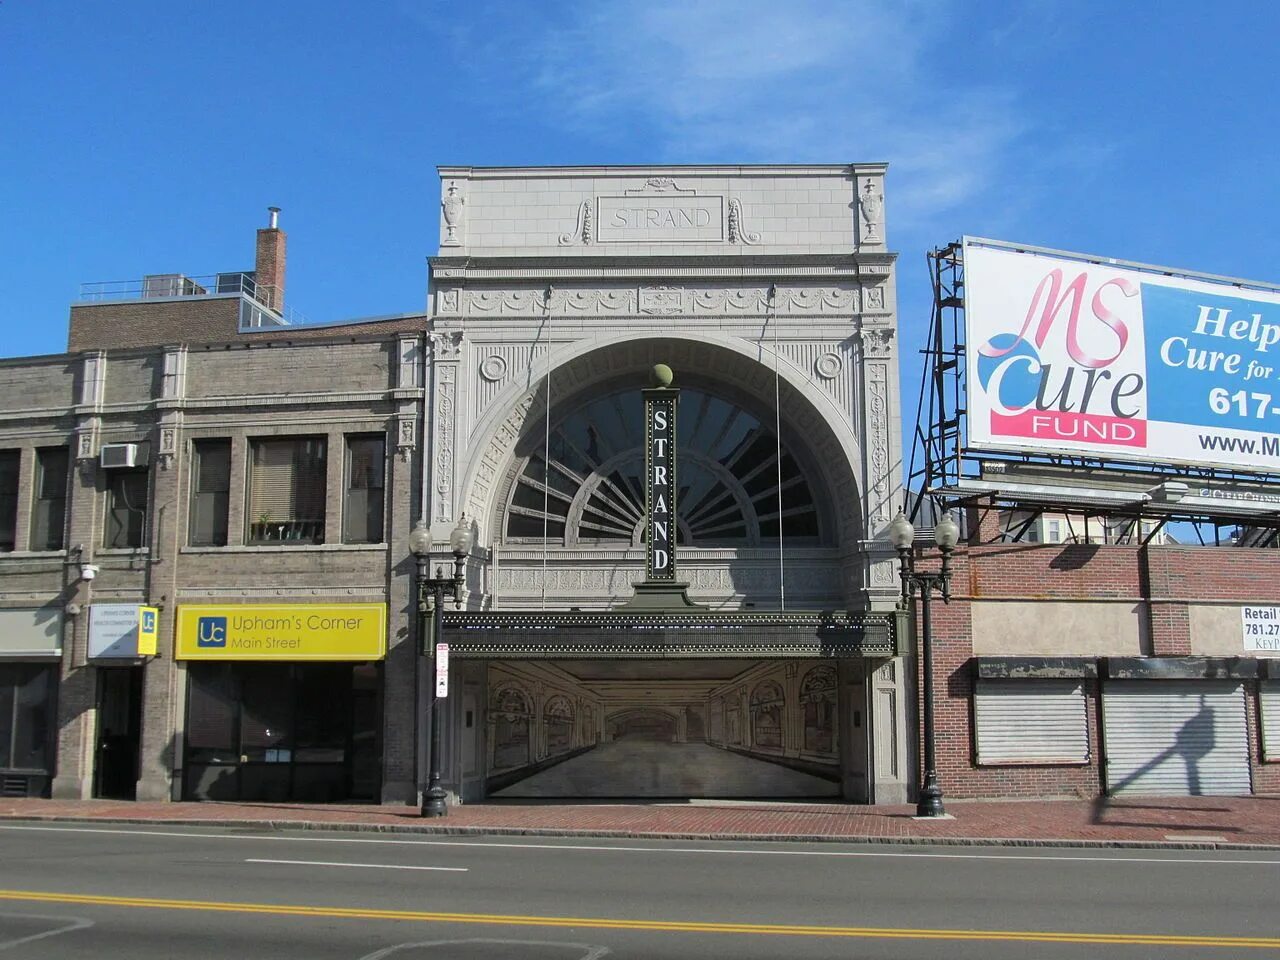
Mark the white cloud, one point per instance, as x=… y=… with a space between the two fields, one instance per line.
x=762 y=81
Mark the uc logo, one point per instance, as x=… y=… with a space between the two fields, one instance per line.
x=211 y=632
x=148 y=622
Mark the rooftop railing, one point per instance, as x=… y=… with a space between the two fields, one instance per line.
x=167 y=286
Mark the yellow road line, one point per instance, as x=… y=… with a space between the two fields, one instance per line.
x=665 y=926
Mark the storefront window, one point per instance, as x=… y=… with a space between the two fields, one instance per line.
x=25 y=701
x=280 y=731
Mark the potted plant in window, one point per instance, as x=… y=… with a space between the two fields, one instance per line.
x=262 y=527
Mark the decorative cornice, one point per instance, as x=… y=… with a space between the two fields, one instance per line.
x=556 y=635
x=851 y=265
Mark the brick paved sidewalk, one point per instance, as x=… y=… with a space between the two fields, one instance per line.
x=1198 y=821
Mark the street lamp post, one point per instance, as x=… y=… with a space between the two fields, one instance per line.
x=431 y=591
x=946 y=533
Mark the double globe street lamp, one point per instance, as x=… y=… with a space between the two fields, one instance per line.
x=946 y=533
x=431 y=591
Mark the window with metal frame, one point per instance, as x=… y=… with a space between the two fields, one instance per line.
x=1030 y=722
x=287 y=490
x=210 y=492
x=365 y=484
x=126 y=518
x=10 y=461
x=49 y=509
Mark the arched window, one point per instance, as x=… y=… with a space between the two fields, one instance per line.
x=818 y=698
x=509 y=714
x=766 y=715
x=731 y=472
x=558 y=717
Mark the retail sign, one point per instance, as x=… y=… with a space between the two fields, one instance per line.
x=148 y=631
x=442 y=670
x=1261 y=629
x=660 y=483
x=125 y=630
x=1073 y=355
x=34 y=633
x=286 y=631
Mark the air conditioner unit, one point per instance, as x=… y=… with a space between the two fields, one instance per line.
x=114 y=456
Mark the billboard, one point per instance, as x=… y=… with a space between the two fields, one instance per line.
x=1068 y=355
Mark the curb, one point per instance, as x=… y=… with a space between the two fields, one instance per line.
x=566 y=832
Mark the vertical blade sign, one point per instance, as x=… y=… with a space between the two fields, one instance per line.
x=660 y=484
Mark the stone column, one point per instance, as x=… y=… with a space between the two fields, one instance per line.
x=890 y=767
x=882 y=464
x=77 y=684
x=159 y=748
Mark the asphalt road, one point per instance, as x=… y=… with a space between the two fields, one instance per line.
x=78 y=891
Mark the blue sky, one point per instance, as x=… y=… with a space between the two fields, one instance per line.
x=144 y=137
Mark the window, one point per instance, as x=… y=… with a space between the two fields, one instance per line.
x=362 y=510
x=210 y=492
x=9 y=462
x=1031 y=722
x=25 y=726
x=48 y=518
x=126 y=509
x=736 y=479
x=287 y=490
x=1055 y=531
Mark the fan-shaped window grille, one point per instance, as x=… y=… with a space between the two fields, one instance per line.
x=590 y=488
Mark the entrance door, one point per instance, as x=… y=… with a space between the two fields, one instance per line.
x=119 y=729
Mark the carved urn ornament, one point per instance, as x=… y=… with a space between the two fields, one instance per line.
x=451 y=206
x=871 y=205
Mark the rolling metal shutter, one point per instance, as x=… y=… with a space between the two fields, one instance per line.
x=1175 y=737
x=1031 y=721
x=1269 y=702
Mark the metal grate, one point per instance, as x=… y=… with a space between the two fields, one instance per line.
x=11 y=786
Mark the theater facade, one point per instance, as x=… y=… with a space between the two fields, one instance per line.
x=774 y=668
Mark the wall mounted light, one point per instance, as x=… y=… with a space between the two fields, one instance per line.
x=88 y=571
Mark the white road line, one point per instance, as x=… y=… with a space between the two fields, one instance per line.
x=374 y=866
x=603 y=848
x=68 y=924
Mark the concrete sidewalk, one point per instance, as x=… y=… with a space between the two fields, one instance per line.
x=1151 y=821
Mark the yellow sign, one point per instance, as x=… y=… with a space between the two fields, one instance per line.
x=148 y=631
x=285 y=631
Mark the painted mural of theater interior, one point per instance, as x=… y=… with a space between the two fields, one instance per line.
x=714 y=728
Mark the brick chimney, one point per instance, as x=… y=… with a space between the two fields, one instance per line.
x=268 y=265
